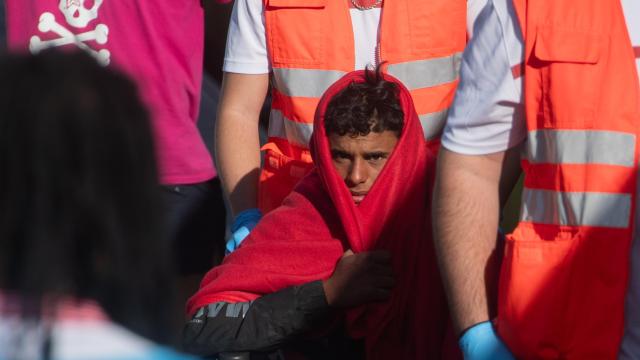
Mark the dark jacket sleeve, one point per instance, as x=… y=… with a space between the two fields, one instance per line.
x=261 y=325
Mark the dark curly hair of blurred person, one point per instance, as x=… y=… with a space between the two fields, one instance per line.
x=363 y=107
x=80 y=211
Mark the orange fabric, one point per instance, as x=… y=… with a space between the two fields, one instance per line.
x=562 y=288
x=318 y=35
x=281 y=173
x=580 y=178
x=434 y=98
x=517 y=70
x=298 y=109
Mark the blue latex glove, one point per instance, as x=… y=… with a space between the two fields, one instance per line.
x=242 y=226
x=481 y=342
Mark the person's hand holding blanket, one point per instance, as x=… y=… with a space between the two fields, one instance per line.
x=359 y=279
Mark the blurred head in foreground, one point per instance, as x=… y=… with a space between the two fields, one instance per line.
x=79 y=208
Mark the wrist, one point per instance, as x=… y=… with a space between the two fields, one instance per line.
x=326 y=288
x=310 y=297
x=481 y=342
x=247 y=218
x=242 y=226
x=474 y=330
x=473 y=325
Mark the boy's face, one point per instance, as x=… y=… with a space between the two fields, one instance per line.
x=359 y=160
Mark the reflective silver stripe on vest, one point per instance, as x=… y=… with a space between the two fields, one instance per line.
x=433 y=123
x=304 y=82
x=281 y=127
x=413 y=74
x=581 y=147
x=427 y=73
x=576 y=208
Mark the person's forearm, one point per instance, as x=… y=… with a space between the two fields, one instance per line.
x=262 y=325
x=237 y=142
x=466 y=212
x=238 y=160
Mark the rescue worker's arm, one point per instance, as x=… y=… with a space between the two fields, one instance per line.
x=468 y=195
x=237 y=140
x=486 y=119
x=273 y=320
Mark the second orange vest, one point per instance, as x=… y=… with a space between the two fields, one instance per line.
x=565 y=271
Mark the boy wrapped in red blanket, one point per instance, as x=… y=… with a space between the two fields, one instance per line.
x=349 y=251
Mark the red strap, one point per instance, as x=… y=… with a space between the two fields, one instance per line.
x=517 y=70
x=636 y=50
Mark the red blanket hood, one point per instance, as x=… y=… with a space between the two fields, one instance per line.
x=302 y=240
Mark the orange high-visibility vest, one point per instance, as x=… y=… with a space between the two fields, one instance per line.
x=310 y=46
x=565 y=271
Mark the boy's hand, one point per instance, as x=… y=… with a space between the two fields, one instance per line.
x=360 y=278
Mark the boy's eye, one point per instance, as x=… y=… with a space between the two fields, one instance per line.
x=340 y=155
x=375 y=156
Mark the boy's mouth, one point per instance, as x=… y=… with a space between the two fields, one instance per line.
x=358 y=196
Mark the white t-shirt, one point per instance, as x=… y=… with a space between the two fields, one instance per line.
x=246 y=51
x=487 y=110
x=487 y=115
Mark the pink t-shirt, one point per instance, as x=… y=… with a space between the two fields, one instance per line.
x=158 y=43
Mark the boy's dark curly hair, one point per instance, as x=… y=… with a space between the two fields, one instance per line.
x=361 y=108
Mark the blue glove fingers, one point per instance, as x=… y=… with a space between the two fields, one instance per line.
x=236 y=239
x=242 y=225
x=248 y=218
x=481 y=342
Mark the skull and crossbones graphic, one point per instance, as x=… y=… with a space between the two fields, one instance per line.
x=77 y=16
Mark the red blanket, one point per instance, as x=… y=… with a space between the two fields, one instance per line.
x=302 y=241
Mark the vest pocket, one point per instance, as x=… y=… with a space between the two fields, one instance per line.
x=551 y=284
x=294 y=30
x=433 y=34
x=534 y=295
x=571 y=70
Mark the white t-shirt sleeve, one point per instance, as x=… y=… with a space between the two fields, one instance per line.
x=632 y=15
x=474 y=7
x=487 y=114
x=246 y=51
